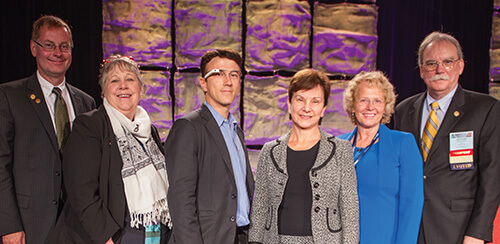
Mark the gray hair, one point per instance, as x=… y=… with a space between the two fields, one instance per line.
x=124 y=62
x=437 y=36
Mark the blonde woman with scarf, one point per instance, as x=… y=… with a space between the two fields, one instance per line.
x=114 y=168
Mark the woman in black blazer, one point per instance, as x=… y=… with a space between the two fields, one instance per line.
x=114 y=168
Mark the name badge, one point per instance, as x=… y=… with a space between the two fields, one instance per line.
x=462 y=150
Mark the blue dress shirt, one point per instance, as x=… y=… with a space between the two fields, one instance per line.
x=229 y=127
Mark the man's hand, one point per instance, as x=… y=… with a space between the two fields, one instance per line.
x=14 y=238
x=472 y=240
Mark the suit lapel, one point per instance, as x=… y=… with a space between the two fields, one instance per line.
x=416 y=119
x=75 y=100
x=279 y=153
x=214 y=130
x=35 y=95
x=449 y=120
x=325 y=150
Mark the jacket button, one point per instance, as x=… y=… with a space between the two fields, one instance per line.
x=233 y=219
x=280 y=183
x=233 y=196
x=314 y=174
x=425 y=177
x=54 y=202
x=335 y=211
x=316 y=184
x=58 y=173
x=316 y=209
x=317 y=197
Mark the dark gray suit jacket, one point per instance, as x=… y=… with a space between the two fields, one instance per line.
x=202 y=195
x=458 y=202
x=30 y=163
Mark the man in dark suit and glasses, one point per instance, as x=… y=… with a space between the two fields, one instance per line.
x=35 y=118
x=211 y=183
x=459 y=137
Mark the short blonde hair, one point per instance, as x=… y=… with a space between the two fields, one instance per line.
x=378 y=79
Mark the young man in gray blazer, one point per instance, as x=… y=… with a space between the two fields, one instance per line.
x=211 y=183
x=31 y=142
x=460 y=140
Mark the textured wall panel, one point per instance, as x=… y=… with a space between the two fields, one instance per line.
x=336 y=121
x=495 y=64
x=345 y=38
x=266 y=114
x=495 y=47
x=205 y=25
x=277 y=35
x=138 y=28
x=189 y=95
x=359 y=18
x=266 y=111
x=495 y=90
x=156 y=100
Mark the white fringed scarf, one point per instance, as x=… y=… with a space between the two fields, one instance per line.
x=143 y=172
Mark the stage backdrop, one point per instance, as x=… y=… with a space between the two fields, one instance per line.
x=276 y=38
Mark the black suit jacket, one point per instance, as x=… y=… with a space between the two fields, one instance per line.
x=458 y=202
x=30 y=163
x=202 y=195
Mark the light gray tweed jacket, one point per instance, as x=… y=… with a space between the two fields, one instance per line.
x=334 y=213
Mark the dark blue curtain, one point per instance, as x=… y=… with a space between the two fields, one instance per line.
x=402 y=25
x=85 y=18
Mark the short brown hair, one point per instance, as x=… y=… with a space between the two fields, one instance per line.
x=307 y=79
x=51 y=22
x=221 y=53
x=378 y=79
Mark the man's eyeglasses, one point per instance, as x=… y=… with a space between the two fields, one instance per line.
x=49 y=46
x=432 y=65
x=231 y=74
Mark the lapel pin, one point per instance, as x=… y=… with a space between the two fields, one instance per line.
x=37 y=100
x=456 y=113
x=32 y=96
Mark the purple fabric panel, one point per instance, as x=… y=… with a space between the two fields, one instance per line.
x=139 y=28
x=277 y=35
x=343 y=52
x=495 y=48
x=336 y=121
x=265 y=105
x=156 y=100
x=205 y=25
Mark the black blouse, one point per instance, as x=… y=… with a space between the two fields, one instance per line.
x=294 y=213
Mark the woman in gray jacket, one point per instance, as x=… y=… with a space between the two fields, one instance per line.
x=306 y=183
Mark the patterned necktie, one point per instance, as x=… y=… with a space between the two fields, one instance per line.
x=62 y=119
x=430 y=130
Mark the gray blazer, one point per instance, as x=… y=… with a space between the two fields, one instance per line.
x=202 y=195
x=334 y=213
x=30 y=163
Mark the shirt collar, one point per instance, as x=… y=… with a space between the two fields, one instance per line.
x=444 y=102
x=218 y=118
x=47 y=87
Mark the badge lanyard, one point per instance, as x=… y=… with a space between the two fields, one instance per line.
x=356 y=160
